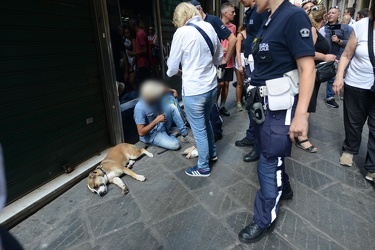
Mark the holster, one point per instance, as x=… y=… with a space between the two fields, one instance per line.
x=255 y=105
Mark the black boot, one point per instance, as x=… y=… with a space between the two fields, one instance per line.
x=287 y=192
x=252 y=156
x=253 y=233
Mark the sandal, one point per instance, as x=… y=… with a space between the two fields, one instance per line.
x=311 y=149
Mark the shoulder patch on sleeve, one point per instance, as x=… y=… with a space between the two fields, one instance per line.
x=305 y=32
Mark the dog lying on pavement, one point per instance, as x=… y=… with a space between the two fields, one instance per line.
x=117 y=162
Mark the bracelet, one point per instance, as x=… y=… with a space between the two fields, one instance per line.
x=338 y=41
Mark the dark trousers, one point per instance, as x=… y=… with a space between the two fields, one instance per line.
x=8 y=241
x=359 y=106
x=143 y=74
x=250 y=131
x=274 y=145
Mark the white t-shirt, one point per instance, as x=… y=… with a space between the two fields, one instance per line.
x=360 y=73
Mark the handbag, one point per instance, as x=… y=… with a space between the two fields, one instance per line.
x=325 y=71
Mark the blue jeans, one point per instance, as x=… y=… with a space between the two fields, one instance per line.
x=329 y=90
x=162 y=139
x=198 y=109
x=171 y=110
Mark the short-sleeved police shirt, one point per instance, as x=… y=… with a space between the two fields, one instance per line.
x=285 y=37
x=253 y=22
x=219 y=27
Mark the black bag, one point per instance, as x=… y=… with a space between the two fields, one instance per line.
x=325 y=71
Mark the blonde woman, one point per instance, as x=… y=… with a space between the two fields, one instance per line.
x=239 y=66
x=317 y=17
x=199 y=82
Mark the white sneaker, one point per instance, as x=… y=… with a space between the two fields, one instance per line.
x=187 y=139
x=346 y=159
x=370 y=176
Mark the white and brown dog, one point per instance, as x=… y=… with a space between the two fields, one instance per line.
x=117 y=162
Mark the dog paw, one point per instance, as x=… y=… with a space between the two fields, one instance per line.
x=150 y=155
x=125 y=191
x=141 y=178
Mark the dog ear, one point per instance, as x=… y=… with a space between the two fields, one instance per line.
x=92 y=175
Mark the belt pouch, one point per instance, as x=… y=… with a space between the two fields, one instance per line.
x=279 y=95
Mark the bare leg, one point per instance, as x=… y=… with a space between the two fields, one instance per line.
x=219 y=88
x=224 y=94
x=240 y=82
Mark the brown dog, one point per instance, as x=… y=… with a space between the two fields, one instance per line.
x=117 y=162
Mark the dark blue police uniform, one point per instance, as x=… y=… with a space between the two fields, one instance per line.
x=253 y=22
x=283 y=38
x=221 y=30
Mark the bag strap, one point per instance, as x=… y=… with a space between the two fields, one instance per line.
x=370 y=43
x=205 y=36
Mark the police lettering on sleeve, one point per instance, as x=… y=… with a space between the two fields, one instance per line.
x=221 y=30
x=285 y=37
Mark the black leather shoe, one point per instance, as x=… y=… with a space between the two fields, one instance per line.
x=253 y=233
x=252 y=156
x=287 y=192
x=244 y=143
x=224 y=111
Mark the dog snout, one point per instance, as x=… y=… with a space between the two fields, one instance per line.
x=102 y=193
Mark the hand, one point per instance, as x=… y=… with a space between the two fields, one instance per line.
x=299 y=126
x=334 y=38
x=337 y=85
x=224 y=61
x=175 y=94
x=240 y=69
x=329 y=58
x=160 y=118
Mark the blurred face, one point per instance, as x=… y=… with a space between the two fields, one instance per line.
x=247 y=3
x=307 y=7
x=229 y=13
x=262 y=5
x=127 y=33
x=346 y=12
x=333 y=15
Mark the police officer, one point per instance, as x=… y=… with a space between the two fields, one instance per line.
x=253 y=21
x=283 y=44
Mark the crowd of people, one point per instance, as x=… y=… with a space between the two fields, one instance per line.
x=274 y=53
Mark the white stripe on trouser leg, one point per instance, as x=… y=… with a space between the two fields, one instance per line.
x=279 y=185
x=288 y=116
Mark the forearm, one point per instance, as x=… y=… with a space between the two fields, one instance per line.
x=344 y=61
x=142 y=131
x=231 y=45
x=319 y=56
x=306 y=86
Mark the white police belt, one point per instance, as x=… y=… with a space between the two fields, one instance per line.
x=281 y=91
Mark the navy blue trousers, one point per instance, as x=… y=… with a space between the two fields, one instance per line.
x=274 y=144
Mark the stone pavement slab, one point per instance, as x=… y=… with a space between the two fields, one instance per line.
x=332 y=207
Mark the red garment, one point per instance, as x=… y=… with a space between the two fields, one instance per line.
x=141 y=39
x=224 y=44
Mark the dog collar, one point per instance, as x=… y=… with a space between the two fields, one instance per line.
x=104 y=173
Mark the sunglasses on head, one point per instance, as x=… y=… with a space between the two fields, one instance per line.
x=316 y=8
x=334 y=7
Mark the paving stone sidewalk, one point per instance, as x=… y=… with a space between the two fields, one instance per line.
x=333 y=206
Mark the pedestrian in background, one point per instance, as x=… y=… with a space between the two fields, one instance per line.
x=359 y=94
x=337 y=36
x=317 y=17
x=227 y=15
x=239 y=65
x=349 y=13
x=198 y=58
x=306 y=5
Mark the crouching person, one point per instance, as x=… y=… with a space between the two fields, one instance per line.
x=155 y=113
